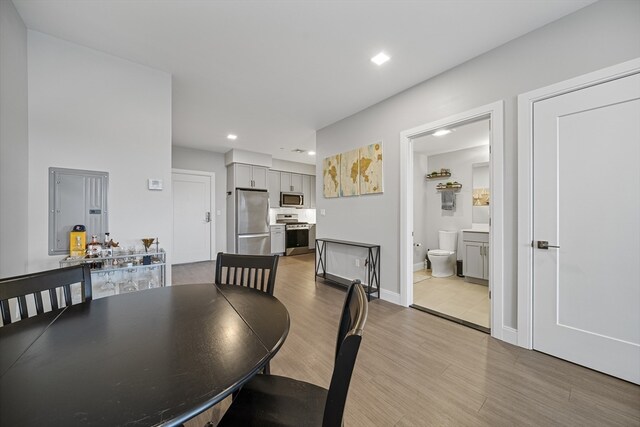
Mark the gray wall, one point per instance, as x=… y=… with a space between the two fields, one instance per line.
x=595 y=37
x=14 y=142
x=91 y=110
x=207 y=161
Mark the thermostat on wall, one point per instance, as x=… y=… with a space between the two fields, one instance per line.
x=155 y=184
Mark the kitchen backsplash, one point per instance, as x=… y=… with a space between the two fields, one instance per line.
x=304 y=215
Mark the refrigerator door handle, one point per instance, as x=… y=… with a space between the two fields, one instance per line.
x=249 y=236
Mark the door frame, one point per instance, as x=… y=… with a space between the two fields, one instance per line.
x=212 y=207
x=495 y=112
x=525 y=181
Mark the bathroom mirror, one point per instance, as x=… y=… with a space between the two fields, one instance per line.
x=481 y=194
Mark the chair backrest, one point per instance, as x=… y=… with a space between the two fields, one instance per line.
x=253 y=271
x=352 y=321
x=35 y=283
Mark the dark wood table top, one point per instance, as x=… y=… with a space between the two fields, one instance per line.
x=154 y=357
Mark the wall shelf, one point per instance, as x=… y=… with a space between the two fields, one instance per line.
x=452 y=187
x=438 y=175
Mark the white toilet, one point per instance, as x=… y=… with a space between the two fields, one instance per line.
x=443 y=260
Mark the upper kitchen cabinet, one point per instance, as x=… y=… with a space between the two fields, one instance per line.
x=312 y=194
x=273 y=185
x=249 y=176
x=291 y=182
x=309 y=191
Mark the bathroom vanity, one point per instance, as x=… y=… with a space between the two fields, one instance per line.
x=475 y=244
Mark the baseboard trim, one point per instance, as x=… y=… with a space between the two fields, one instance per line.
x=389 y=296
x=418 y=266
x=509 y=335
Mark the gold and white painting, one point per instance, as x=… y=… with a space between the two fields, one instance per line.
x=331 y=176
x=349 y=173
x=370 y=163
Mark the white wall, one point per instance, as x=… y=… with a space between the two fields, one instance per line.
x=595 y=37
x=461 y=217
x=304 y=215
x=90 y=110
x=295 y=167
x=14 y=143
x=208 y=161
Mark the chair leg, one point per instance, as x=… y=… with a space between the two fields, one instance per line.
x=266 y=370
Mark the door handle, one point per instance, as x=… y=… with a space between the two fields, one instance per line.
x=543 y=244
x=207 y=217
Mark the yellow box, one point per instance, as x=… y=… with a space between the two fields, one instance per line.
x=77 y=243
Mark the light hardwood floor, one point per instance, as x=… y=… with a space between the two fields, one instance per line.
x=415 y=369
x=452 y=296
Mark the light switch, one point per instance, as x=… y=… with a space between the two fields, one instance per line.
x=322 y=212
x=155 y=184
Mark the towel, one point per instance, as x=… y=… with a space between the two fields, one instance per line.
x=448 y=200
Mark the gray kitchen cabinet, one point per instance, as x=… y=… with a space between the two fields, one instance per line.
x=312 y=236
x=306 y=190
x=291 y=182
x=249 y=176
x=273 y=185
x=277 y=239
x=476 y=256
x=312 y=194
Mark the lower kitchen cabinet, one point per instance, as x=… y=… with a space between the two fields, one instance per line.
x=277 y=239
x=273 y=185
x=312 y=237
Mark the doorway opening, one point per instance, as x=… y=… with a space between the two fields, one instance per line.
x=492 y=233
x=451 y=200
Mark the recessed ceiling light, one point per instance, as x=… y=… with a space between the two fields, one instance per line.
x=442 y=132
x=232 y=137
x=311 y=153
x=380 y=58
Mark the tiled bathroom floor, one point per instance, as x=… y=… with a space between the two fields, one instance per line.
x=452 y=296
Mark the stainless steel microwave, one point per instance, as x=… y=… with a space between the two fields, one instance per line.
x=291 y=200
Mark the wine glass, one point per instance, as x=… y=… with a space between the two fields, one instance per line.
x=108 y=287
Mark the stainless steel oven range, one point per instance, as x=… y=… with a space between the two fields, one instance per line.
x=296 y=234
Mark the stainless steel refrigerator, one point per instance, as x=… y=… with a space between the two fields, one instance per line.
x=252 y=222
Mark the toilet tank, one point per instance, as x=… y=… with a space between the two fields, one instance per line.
x=448 y=240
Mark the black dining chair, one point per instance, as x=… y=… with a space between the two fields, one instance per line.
x=270 y=400
x=19 y=287
x=253 y=271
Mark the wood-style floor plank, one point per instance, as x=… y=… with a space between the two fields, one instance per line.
x=415 y=369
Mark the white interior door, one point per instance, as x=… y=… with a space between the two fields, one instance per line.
x=192 y=217
x=586 y=200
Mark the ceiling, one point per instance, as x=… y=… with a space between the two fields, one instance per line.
x=461 y=137
x=274 y=72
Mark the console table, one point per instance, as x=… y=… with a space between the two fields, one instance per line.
x=372 y=264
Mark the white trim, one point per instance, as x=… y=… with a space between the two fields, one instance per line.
x=418 y=266
x=510 y=335
x=389 y=296
x=494 y=111
x=212 y=175
x=525 y=181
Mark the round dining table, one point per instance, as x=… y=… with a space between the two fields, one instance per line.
x=154 y=357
